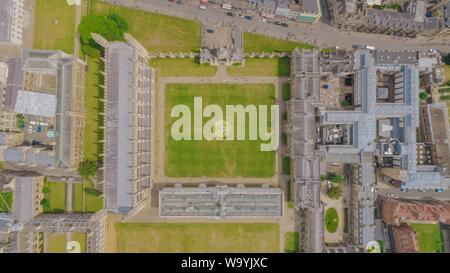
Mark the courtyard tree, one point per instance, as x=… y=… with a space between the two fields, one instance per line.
x=423 y=96
x=334 y=192
x=87 y=168
x=111 y=27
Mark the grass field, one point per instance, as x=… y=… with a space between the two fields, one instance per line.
x=56 y=196
x=77 y=198
x=430 y=238
x=92 y=200
x=291 y=241
x=80 y=238
x=54 y=26
x=188 y=238
x=217 y=158
x=331 y=220
x=156 y=32
x=56 y=243
x=267 y=67
x=260 y=43
x=6 y=199
x=92 y=133
x=182 y=67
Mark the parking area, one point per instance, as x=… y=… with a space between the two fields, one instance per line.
x=39 y=130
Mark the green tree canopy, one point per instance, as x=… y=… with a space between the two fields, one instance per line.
x=87 y=168
x=111 y=27
x=423 y=96
x=334 y=192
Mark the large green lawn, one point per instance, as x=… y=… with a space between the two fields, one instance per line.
x=81 y=239
x=260 y=43
x=54 y=25
x=56 y=195
x=56 y=243
x=430 y=238
x=157 y=32
x=267 y=67
x=331 y=220
x=189 y=237
x=182 y=67
x=189 y=158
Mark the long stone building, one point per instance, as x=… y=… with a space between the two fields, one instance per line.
x=128 y=120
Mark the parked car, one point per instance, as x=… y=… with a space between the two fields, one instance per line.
x=439 y=190
x=421 y=190
x=248 y=17
x=203 y=7
x=230 y=14
x=210 y=30
x=404 y=190
x=391 y=195
x=284 y=25
x=180 y=2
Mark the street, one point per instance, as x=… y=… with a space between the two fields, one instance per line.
x=320 y=34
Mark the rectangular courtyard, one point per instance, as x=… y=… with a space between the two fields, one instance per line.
x=217 y=158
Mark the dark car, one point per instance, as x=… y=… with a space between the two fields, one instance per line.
x=230 y=14
x=210 y=30
x=248 y=17
x=284 y=25
x=180 y=2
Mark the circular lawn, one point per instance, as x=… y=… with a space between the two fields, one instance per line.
x=331 y=220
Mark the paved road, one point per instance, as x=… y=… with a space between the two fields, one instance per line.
x=413 y=194
x=320 y=33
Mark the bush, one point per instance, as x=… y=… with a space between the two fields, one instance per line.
x=334 y=192
x=111 y=27
x=286 y=92
x=338 y=179
x=45 y=204
x=286 y=165
x=345 y=103
x=87 y=168
x=45 y=190
x=423 y=96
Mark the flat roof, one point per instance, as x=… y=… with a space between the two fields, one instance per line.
x=221 y=202
x=35 y=103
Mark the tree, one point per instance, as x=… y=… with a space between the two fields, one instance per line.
x=338 y=179
x=45 y=204
x=423 y=96
x=446 y=59
x=345 y=103
x=45 y=190
x=87 y=168
x=334 y=192
x=111 y=27
x=121 y=23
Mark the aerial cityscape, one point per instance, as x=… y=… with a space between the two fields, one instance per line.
x=224 y=126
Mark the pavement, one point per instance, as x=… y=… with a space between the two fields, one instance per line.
x=414 y=194
x=321 y=33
